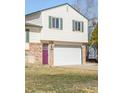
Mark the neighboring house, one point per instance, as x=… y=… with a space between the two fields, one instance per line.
x=92 y=54
x=91 y=51
x=57 y=36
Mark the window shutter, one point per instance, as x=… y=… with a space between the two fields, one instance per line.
x=82 y=27
x=50 y=22
x=61 y=24
x=73 y=25
x=27 y=36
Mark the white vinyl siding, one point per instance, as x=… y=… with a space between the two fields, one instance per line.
x=32 y=34
x=34 y=37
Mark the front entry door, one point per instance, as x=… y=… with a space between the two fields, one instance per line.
x=45 y=53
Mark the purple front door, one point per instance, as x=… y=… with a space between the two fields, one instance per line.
x=45 y=53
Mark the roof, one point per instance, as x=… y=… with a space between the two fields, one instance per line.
x=30 y=24
x=55 y=7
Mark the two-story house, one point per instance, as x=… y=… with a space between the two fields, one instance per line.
x=57 y=36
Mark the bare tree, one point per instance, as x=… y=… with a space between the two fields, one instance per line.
x=89 y=7
x=76 y=5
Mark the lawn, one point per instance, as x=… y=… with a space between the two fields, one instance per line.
x=42 y=79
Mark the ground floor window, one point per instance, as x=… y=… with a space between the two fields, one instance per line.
x=27 y=36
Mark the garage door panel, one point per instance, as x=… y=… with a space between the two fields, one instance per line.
x=67 y=55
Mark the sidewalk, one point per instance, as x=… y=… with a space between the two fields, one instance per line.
x=88 y=66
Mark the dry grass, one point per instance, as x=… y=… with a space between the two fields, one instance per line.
x=41 y=79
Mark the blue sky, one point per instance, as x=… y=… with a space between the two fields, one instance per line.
x=35 y=5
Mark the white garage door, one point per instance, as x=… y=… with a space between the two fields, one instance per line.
x=66 y=55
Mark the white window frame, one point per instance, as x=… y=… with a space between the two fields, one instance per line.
x=76 y=24
x=55 y=23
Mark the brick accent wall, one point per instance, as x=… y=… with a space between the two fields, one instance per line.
x=36 y=51
x=27 y=52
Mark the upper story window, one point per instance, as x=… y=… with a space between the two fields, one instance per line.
x=77 y=26
x=27 y=35
x=56 y=23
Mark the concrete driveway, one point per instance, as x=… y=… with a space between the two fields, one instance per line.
x=88 y=66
